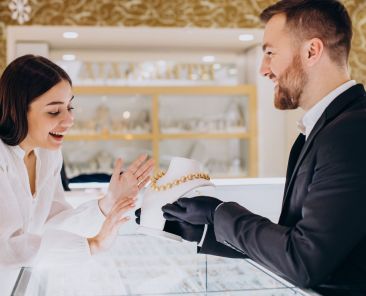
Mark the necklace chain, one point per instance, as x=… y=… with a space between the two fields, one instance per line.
x=176 y=182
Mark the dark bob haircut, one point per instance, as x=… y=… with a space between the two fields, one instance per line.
x=24 y=80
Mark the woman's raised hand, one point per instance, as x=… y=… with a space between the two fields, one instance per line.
x=109 y=231
x=126 y=183
x=141 y=169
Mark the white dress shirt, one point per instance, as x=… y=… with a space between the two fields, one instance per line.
x=308 y=121
x=41 y=229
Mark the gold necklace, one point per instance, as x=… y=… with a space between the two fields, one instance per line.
x=176 y=182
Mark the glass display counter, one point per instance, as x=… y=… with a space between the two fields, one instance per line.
x=142 y=265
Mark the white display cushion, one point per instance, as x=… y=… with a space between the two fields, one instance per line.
x=152 y=221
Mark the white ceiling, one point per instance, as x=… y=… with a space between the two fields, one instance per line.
x=136 y=38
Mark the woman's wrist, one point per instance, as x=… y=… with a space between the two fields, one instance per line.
x=93 y=245
x=105 y=204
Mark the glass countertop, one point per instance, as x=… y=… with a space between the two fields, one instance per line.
x=143 y=265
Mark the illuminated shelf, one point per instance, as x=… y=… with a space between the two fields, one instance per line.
x=157 y=137
x=204 y=136
x=107 y=136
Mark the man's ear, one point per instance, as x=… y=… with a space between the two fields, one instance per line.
x=313 y=50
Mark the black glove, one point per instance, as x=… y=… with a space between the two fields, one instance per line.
x=196 y=210
x=188 y=232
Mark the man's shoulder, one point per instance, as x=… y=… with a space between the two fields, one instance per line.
x=348 y=128
x=352 y=121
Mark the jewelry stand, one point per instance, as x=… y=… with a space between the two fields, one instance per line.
x=152 y=221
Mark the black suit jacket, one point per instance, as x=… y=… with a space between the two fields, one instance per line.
x=320 y=240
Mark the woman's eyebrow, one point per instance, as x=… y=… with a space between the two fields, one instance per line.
x=55 y=103
x=58 y=102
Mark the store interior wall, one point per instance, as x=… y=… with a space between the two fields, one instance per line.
x=235 y=14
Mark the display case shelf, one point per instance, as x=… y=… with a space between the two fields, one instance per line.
x=107 y=137
x=200 y=113
x=184 y=135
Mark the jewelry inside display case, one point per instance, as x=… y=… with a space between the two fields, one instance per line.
x=214 y=125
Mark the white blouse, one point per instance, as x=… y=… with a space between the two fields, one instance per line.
x=42 y=229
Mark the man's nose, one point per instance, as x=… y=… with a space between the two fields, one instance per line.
x=264 y=69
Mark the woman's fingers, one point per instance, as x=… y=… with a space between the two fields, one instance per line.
x=129 y=178
x=145 y=168
x=117 y=168
x=124 y=205
x=145 y=175
x=144 y=182
x=124 y=202
x=137 y=163
x=121 y=221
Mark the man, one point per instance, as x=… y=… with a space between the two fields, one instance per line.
x=320 y=239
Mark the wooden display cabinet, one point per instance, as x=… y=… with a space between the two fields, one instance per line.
x=156 y=134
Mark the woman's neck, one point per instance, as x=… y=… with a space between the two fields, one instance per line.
x=27 y=148
x=30 y=164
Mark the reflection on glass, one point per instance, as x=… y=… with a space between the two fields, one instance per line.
x=203 y=114
x=112 y=114
x=141 y=265
x=98 y=157
x=220 y=157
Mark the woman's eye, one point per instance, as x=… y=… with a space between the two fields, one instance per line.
x=54 y=113
x=269 y=53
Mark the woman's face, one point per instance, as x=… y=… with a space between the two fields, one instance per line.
x=49 y=118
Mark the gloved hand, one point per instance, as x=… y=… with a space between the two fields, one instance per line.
x=196 y=210
x=188 y=232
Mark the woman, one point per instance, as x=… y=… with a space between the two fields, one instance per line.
x=37 y=225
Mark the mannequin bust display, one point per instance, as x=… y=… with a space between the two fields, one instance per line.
x=184 y=177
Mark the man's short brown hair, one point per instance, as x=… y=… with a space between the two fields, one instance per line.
x=327 y=20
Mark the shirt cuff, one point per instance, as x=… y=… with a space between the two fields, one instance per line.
x=203 y=236
x=62 y=248
x=100 y=215
x=219 y=206
x=205 y=230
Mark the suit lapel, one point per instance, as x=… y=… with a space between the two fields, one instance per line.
x=339 y=104
x=319 y=125
x=294 y=156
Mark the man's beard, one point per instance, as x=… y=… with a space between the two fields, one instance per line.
x=290 y=85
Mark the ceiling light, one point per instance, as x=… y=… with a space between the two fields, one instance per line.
x=69 y=57
x=246 y=37
x=70 y=35
x=208 y=59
